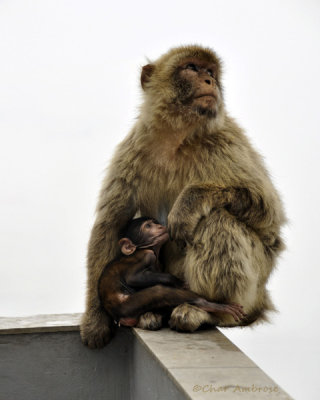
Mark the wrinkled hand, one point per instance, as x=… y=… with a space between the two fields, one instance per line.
x=181 y=225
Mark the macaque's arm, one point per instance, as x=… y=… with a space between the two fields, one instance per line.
x=148 y=278
x=160 y=296
x=248 y=204
x=115 y=211
x=117 y=205
x=144 y=274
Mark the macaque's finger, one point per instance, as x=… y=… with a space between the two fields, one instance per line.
x=238 y=308
x=236 y=305
x=235 y=315
x=236 y=311
x=185 y=286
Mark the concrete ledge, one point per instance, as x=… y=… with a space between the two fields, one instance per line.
x=40 y=323
x=41 y=357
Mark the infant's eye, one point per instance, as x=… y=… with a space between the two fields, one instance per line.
x=191 y=66
x=210 y=72
x=148 y=225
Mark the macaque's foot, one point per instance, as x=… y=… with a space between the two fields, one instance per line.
x=232 y=308
x=96 y=330
x=150 y=321
x=188 y=318
x=128 y=322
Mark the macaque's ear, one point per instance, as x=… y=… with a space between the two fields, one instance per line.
x=126 y=246
x=146 y=73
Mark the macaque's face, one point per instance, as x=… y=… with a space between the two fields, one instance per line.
x=197 y=86
x=154 y=232
x=184 y=87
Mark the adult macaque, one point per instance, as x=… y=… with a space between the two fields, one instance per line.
x=135 y=284
x=188 y=163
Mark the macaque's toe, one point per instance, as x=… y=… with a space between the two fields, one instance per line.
x=128 y=322
x=188 y=318
x=150 y=321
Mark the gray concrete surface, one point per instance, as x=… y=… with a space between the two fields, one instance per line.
x=56 y=366
x=42 y=358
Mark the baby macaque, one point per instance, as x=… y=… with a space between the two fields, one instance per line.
x=135 y=284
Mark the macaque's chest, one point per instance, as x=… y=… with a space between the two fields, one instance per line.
x=169 y=173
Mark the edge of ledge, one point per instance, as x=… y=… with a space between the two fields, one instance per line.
x=40 y=323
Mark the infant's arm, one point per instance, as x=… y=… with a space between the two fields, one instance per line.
x=143 y=274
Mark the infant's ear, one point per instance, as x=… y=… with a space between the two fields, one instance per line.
x=126 y=246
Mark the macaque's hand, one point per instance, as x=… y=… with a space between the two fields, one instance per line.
x=234 y=309
x=186 y=286
x=181 y=224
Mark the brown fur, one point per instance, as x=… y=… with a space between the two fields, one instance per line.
x=201 y=175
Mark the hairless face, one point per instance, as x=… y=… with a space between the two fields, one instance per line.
x=142 y=233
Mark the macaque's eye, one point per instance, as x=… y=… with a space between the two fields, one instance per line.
x=192 y=66
x=210 y=72
x=148 y=226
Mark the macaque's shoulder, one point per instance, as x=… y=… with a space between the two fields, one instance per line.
x=146 y=256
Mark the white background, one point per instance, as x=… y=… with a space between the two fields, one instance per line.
x=69 y=92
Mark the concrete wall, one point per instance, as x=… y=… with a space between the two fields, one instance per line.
x=56 y=366
x=42 y=358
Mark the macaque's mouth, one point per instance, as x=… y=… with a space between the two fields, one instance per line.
x=206 y=95
x=163 y=234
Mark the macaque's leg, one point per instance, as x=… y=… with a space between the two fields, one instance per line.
x=150 y=321
x=96 y=326
x=128 y=321
x=226 y=263
x=160 y=296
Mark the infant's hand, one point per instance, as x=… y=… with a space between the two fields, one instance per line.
x=186 y=286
